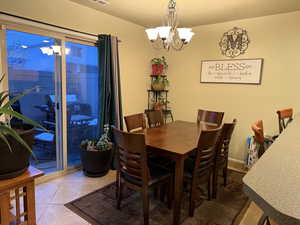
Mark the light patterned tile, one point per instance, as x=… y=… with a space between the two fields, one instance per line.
x=252 y=215
x=60 y=215
x=51 y=197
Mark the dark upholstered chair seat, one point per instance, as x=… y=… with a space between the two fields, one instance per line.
x=157 y=174
x=189 y=165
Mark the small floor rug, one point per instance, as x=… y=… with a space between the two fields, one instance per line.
x=99 y=207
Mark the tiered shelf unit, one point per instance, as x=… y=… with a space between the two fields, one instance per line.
x=156 y=96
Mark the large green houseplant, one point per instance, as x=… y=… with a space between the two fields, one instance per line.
x=15 y=140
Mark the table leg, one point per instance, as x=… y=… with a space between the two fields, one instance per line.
x=4 y=208
x=178 y=190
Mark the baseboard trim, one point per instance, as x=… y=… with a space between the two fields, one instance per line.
x=57 y=174
x=237 y=165
x=236 y=160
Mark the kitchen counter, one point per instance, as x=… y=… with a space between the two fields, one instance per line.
x=274 y=181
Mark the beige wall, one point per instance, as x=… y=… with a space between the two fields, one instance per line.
x=274 y=38
x=135 y=51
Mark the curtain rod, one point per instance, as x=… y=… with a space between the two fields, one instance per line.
x=49 y=24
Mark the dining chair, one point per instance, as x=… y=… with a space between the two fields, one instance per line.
x=210 y=117
x=155 y=118
x=264 y=142
x=202 y=166
x=221 y=162
x=285 y=116
x=135 y=121
x=133 y=169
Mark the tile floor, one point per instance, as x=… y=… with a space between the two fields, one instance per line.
x=51 y=197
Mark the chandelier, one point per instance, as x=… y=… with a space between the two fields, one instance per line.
x=169 y=36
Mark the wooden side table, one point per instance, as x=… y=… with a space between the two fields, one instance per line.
x=14 y=191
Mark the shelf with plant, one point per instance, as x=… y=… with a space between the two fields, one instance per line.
x=159 y=66
x=159 y=83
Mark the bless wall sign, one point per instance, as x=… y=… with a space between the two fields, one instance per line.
x=243 y=71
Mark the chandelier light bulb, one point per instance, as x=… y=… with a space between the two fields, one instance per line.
x=170 y=36
x=56 y=49
x=152 y=34
x=189 y=36
x=185 y=34
x=163 y=32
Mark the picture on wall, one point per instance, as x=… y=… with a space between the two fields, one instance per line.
x=234 y=71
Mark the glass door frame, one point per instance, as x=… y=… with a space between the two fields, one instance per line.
x=60 y=81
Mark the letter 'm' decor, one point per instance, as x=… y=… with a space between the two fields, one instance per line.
x=234 y=42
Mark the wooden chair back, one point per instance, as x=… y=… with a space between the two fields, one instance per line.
x=206 y=151
x=285 y=116
x=258 y=130
x=155 y=118
x=132 y=157
x=210 y=117
x=224 y=141
x=136 y=121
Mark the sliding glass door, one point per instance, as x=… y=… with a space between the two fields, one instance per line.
x=66 y=98
x=33 y=62
x=82 y=96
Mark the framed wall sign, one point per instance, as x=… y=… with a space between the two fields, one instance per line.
x=234 y=71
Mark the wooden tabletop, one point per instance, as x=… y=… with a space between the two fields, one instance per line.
x=179 y=137
x=30 y=174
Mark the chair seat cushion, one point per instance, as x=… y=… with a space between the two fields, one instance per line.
x=157 y=174
x=160 y=161
x=47 y=137
x=189 y=165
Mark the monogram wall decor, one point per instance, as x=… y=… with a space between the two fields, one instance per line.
x=234 y=42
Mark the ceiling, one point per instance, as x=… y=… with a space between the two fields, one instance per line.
x=149 y=13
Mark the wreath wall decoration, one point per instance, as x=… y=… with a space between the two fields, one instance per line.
x=234 y=42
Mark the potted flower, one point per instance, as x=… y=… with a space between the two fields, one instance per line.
x=96 y=155
x=15 y=140
x=159 y=65
x=159 y=83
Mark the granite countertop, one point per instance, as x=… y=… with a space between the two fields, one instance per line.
x=274 y=181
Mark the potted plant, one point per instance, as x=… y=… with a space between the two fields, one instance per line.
x=96 y=155
x=159 y=83
x=15 y=140
x=159 y=65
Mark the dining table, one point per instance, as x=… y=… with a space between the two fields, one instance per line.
x=175 y=141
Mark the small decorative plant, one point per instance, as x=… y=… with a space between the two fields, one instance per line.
x=96 y=155
x=159 y=65
x=160 y=83
x=103 y=144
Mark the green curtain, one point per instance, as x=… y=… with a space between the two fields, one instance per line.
x=109 y=83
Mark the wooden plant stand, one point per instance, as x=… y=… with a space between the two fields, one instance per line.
x=20 y=193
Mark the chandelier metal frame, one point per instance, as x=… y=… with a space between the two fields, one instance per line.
x=170 y=36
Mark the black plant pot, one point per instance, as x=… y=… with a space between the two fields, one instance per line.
x=96 y=163
x=15 y=162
